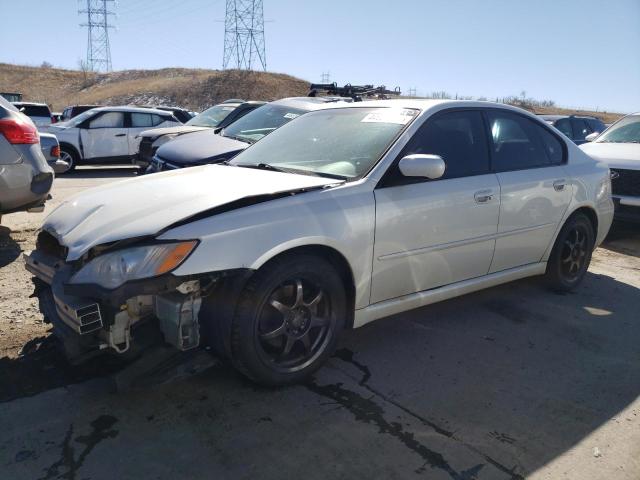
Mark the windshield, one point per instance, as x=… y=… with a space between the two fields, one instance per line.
x=211 y=117
x=344 y=142
x=626 y=130
x=261 y=122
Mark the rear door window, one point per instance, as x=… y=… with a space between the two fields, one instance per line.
x=158 y=119
x=458 y=137
x=141 y=120
x=519 y=143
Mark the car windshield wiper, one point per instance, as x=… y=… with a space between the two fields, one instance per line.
x=235 y=137
x=263 y=166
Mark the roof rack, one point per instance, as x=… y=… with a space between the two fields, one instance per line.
x=356 y=92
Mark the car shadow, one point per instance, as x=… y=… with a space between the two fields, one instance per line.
x=623 y=238
x=504 y=380
x=85 y=172
x=9 y=248
x=518 y=371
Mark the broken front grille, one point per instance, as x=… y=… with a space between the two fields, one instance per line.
x=627 y=183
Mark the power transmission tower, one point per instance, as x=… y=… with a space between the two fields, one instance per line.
x=98 y=50
x=326 y=77
x=412 y=92
x=244 y=35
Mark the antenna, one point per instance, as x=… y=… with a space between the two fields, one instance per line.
x=98 y=50
x=244 y=35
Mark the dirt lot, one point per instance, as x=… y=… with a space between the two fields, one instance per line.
x=512 y=382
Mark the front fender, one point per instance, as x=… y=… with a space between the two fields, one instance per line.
x=341 y=218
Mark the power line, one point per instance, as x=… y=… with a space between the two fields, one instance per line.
x=98 y=50
x=244 y=35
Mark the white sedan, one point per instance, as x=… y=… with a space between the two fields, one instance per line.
x=345 y=215
x=107 y=134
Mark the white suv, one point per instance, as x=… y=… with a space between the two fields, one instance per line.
x=107 y=134
x=342 y=216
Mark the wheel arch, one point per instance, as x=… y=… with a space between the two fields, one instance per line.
x=588 y=210
x=335 y=258
x=70 y=146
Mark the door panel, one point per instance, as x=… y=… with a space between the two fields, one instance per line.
x=530 y=211
x=105 y=137
x=433 y=233
x=534 y=194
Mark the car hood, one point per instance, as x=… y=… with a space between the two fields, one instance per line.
x=177 y=130
x=200 y=147
x=615 y=155
x=146 y=205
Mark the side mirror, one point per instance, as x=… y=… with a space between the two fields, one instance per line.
x=592 y=136
x=428 y=166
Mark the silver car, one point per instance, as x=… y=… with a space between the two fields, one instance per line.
x=345 y=215
x=25 y=175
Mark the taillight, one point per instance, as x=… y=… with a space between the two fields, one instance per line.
x=53 y=119
x=55 y=151
x=17 y=131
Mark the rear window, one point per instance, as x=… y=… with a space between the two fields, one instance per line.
x=35 y=110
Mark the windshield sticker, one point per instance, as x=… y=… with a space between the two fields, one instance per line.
x=400 y=117
x=291 y=116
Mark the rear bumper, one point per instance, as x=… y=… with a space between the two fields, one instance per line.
x=21 y=187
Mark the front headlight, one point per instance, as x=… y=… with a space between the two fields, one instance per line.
x=604 y=190
x=113 y=269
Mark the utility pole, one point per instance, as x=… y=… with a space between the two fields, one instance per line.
x=326 y=77
x=244 y=35
x=98 y=50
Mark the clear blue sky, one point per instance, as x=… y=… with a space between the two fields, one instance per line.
x=582 y=53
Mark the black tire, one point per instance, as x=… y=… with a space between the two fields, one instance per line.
x=70 y=156
x=571 y=254
x=288 y=319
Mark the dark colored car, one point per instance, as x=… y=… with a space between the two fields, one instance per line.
x=216 y=117
x=25 y=176
x=209 y=146
x=69 y=112
x=576 y=127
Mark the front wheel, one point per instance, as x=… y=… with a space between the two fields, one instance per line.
x=571 y=254
x=288 y=319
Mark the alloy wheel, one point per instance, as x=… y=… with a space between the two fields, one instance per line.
x=295 y=325
x=574 y=252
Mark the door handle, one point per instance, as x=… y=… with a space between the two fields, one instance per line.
x=559 y=185
x=119 y=134
x=483 y=196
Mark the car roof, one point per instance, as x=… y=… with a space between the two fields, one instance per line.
x=428 y=104
x=132 y=110
x=553 y=118
x=30 y=104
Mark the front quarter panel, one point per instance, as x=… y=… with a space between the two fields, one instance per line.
x=340 y=217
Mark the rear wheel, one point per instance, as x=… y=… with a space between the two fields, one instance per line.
x=288 y=320
x=70 y=156
x=571 y=254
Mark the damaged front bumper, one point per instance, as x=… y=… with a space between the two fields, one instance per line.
x=89 y=319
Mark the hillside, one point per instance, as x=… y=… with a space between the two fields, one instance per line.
x=195 y=89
